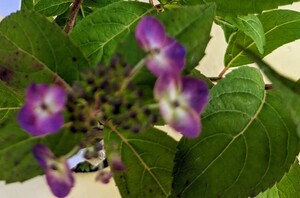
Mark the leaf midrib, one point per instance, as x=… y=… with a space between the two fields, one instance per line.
x=146 y=167
x=125 y=27
x=9 y=108
x=31 y=55
x=233 y=139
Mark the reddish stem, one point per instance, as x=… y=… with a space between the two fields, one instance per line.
x=223 y=72
x=71 y=21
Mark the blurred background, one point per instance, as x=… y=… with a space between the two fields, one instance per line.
x=9 y=6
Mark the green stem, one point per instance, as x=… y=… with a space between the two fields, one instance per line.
x=82 y=12
x=153 y=106
x=133 y=73
x=223 y=72
x=72 y=152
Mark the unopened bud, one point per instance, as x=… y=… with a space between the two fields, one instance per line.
x=104 y=176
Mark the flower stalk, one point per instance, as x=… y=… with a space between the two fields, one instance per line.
x=71 y=21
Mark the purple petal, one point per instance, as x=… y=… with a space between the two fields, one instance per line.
x=42 y=154
x=27 y=120
x=183 y=119
x=195 y=92
x=58 y=174
x=35 y=93
x=37 y=124
x=117 y=164
x=42 y=112
x=174 y=53
x=187 y=122
x=104 y=176
x=50 y=124
x=55 y=97
x=59 y=178
x=150 y=34
x=168 y=60
x=167 y=86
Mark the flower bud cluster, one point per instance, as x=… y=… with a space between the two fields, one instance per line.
x=104 y=95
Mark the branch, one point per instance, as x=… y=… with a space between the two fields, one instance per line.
x=71 y=21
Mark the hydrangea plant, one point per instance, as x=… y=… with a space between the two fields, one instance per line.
x=101 y=75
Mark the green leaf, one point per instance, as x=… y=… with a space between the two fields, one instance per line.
x=281 y=27
x=99 y=43
x=241 y=7
x=53 y=7
x=148 y=158
x=197 y=74
x=98 y=3
x=63 y=18
x=16 y=161
x=289 y=186
x=27 y=4
x=34 y=50
x=288 y=89
x=251 y=26
x=191 y=26
x=228 y=28
x=248 y=141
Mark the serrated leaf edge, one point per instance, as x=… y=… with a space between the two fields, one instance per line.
x=252 y=43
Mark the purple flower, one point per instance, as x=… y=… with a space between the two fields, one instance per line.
x=181 y=100
x=166 y=54
x=58 y=174
x=116 y=163
x=42 y=112
x=104 y=176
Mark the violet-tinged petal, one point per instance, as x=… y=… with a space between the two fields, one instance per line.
x=42 y=154
x=35 y=93
x=187 y=122
x=158 y=66
x=117 y=164
x=150 y=34
x=175 y=53
x=55 y=98
x=104 y=176
x=167 y=86
x=170 y=59
x=181 y=100
x=195 y=92
x=38 y=125
x=58 y=174
x=49 y=124
x=28 y=119
x=59 y=178
x=42 y=112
